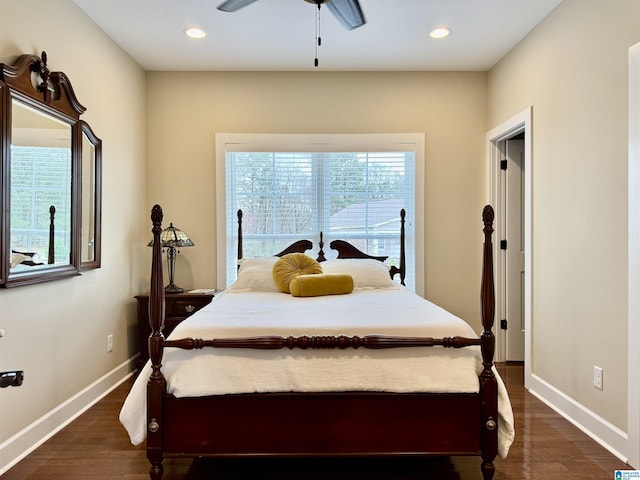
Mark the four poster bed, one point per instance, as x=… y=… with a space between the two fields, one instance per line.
x=370 y=370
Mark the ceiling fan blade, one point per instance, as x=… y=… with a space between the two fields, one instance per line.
x=233 y=5
x=348 y=12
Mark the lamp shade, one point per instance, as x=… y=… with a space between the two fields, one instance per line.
x=173 y=237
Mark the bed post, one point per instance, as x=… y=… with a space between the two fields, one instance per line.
x=51 y=257
x=240 y=240
x=157 y=383
x=488 y=382
x=402 y=269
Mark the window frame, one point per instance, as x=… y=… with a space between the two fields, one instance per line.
x=302 y=142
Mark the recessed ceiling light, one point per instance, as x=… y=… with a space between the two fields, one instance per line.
x=195 y=32
x=440 y=32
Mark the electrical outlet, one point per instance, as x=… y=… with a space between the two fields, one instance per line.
x=109 y=343
x=597 y=377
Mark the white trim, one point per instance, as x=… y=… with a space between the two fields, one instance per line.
x=633 y=319
x=516 y=124
x=32 y=436
x=295 y=141
x=596 y=427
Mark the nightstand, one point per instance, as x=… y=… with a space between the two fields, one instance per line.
x=177 y=307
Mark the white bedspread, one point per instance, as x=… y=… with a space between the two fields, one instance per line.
x=381 y=311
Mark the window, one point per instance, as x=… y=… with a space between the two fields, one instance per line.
x=289 y=188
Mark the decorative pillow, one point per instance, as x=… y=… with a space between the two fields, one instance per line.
x=366 y=272
x=255 y=274
x=321 y=284
x=292 y=265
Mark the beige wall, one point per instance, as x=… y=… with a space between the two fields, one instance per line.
x=573 y=70
x=57 y=331
x=186 y=110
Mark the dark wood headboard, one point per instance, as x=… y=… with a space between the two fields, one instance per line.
x=345 y=249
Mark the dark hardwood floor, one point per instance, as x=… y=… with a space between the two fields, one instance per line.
x=96 y=446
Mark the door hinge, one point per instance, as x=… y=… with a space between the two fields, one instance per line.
x=503 y=324
x=503 y=164
x=503 y=244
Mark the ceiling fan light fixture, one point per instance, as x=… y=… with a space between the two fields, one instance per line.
x=440 y=32
x=195 y=32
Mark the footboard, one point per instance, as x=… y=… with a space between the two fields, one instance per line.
x=323 y=424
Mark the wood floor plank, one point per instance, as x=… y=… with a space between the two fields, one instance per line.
x=547 y=447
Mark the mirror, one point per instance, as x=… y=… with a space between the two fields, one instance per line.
x=40 y=191
x=50 y=177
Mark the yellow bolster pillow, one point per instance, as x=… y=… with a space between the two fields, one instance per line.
x=321 y=284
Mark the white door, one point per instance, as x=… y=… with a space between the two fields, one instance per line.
x=514 y=255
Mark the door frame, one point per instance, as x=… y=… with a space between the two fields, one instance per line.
x=519 y=123
x=633 y=284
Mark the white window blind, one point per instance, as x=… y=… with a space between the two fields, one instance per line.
x=350 y=192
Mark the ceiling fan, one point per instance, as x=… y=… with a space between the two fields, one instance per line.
x=348 y=12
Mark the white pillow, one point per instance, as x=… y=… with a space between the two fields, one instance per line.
x=366 y=272
x=17 y=258
x=255 y=274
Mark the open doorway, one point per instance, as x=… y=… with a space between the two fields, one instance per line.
x=511 y=211
x=509 y=191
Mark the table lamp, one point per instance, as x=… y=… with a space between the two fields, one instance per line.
x=171 y=238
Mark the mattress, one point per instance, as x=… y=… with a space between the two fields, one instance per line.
x=386 y=311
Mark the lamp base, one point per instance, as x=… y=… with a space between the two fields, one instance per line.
x=172 y=288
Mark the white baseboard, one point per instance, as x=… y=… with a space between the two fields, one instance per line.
x=600 y=430
x=31 y=437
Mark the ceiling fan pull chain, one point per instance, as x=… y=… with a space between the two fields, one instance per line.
x=318 y=30
x=318 y=38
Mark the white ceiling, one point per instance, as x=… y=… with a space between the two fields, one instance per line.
x=280 y=34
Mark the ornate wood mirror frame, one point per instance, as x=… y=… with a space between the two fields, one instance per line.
x=91 y=168
x=50 y=175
